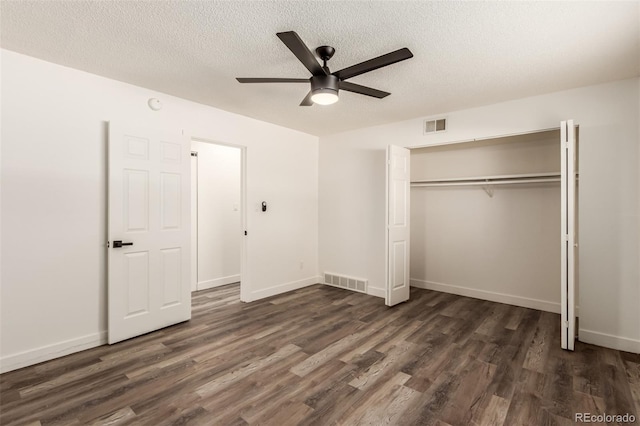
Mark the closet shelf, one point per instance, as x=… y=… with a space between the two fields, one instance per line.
x=491 y=180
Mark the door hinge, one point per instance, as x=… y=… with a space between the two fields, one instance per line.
x=565 y=324
x=108 y=244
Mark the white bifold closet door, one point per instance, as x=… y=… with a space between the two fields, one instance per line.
x=568 y=232
x=149 y=228
x=398 y=208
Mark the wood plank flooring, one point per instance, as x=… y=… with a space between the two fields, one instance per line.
x=327 y=356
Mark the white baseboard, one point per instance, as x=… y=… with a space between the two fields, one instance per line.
x=217 y=282
x=56 y=350
x=283 y=288
x=509 y=299
x=375 y=291
x=609 y=341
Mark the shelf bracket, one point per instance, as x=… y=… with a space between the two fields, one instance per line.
x=488 y=189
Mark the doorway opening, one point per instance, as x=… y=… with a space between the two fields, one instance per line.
x=217 y=218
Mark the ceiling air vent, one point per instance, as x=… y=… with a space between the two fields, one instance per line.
x=435 y=126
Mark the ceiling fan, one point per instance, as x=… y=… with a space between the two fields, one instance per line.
x=325 y=84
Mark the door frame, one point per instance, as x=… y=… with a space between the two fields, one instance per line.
x=245 y=285
x=194 y=221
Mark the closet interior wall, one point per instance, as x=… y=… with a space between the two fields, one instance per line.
x=497 y=241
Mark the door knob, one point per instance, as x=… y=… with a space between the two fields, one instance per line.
x=118 y=243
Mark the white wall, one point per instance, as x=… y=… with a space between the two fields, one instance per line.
x=218 y=220
x=54 y=132
x=352 y=199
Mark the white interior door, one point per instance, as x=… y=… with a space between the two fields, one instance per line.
x=398 y=199
x=149 y=230
x=568 y=232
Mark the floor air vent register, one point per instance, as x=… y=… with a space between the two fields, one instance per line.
x=350 y=283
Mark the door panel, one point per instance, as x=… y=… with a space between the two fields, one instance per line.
x=568 y=192
x=399 y=256
x=170 y=201
x=398 y=184
x=399 y=213
x=149 y=207
x=136 y=148
x=136 y=198
x=136 y=274
x=171 y=276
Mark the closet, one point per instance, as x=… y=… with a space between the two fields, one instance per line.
x=490 y=219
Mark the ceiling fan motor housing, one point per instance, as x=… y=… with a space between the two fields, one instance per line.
x=324 y=83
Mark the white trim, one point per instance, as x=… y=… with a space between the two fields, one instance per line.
x=283 y=288
x=375 y=291
x=194 y=222
x=609 y=341
x=484 y=138
x=344 y=288
x=385 y=293
x=49 y=352
x=245 y=285
x=217 y=282
x=525 y=302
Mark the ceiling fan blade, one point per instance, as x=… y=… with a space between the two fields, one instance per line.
x=363 y=90
x=374 y=64
x=307 y=100
x=273 y=80
x=302 y=52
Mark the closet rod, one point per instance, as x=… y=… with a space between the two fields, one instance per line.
x=486 y=182
x=493 y=177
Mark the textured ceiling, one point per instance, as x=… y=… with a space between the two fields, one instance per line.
x=465 y=53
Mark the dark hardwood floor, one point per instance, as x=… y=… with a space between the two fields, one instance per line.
x=324 y=356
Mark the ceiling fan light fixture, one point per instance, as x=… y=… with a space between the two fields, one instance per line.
x=324 y=89
x=324 y=96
